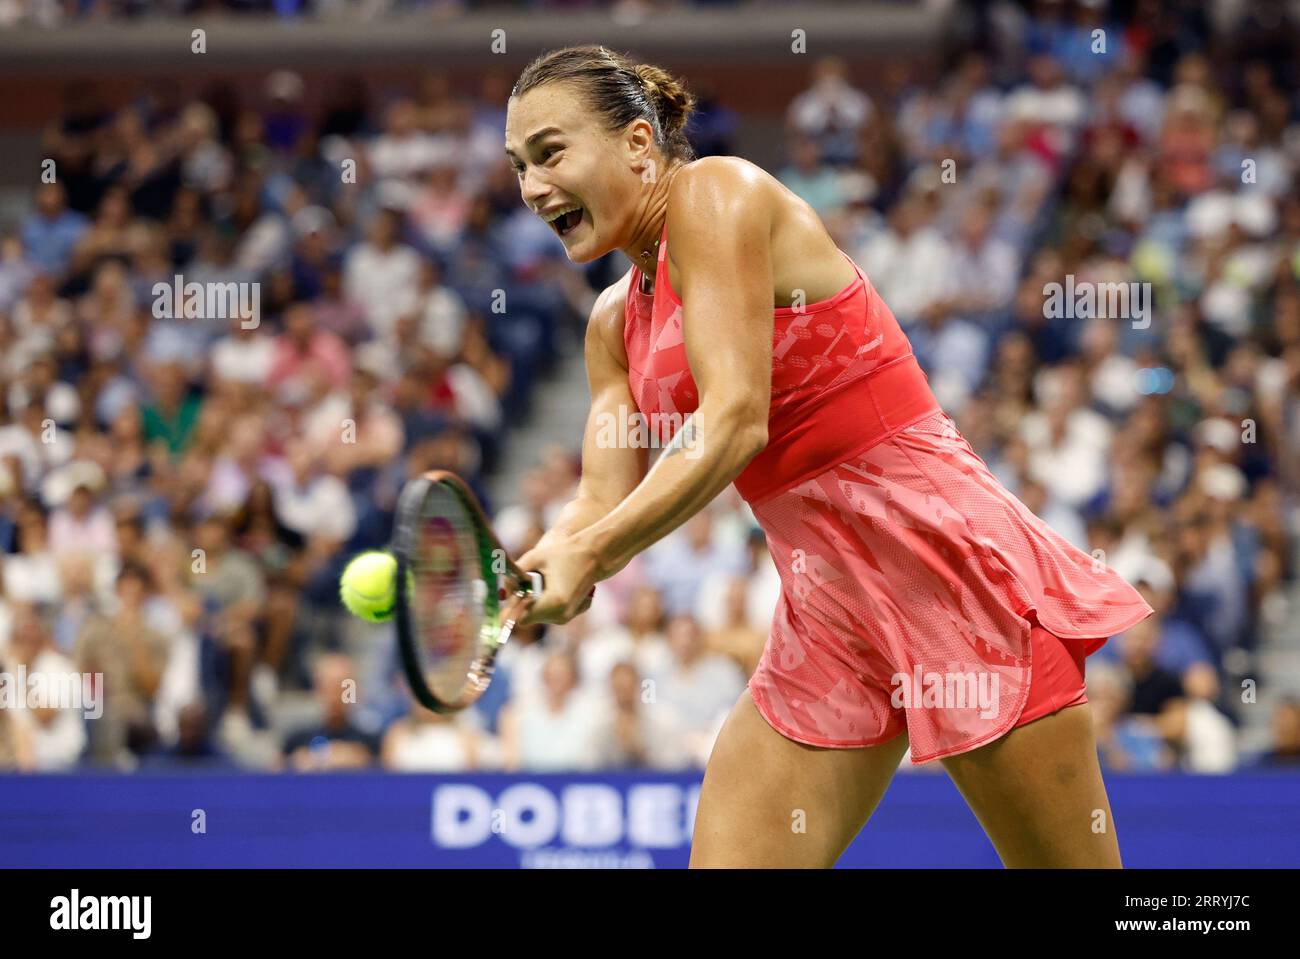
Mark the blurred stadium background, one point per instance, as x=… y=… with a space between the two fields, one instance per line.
x=177 y=497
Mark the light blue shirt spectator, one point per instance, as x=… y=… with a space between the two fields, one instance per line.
x=49 y=241
x=678 y=565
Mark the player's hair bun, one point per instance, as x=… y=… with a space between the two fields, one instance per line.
x=620 y=90
x=672 y=102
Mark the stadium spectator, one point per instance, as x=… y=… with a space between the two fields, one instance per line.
x=15 y=748
x=312 y=502
x=679 y=564
x=381 y=276
x=305 y=351
x=334 y=741
x=82 y=526
x=195 y=748
x=429 y=742
x=737 y=637
x=131 y=655
x=49 y=735
x=31 y=572
x=1285 y=749
x=822 y=187
x=172 y=414
x=555 y=729
x=699 y=686
x=636 y=733
x=52 y=232
x=831 y=111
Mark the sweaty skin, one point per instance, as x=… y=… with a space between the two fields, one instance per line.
x=729 y=223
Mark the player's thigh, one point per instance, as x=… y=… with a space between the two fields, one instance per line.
x=1039 y=794
x=768 y=801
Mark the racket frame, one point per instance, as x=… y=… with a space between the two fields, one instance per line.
x=493 y=633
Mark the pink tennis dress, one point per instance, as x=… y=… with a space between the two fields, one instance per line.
x=912 y=580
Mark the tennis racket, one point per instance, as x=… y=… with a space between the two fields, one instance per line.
x=453 y=580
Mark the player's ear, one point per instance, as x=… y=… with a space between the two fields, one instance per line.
x=638 y=142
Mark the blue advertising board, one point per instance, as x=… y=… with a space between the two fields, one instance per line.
x=606 y=821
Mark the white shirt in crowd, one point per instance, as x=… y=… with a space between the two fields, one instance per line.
x=561 y=739
x=903 y=269
x=32 y=578
x=243 y=359
x=383 y=285
x=1073 y=470
x=830 y=105
x=432 y=747
x=323 y=507
x=442 y=325
x=399 y=157
x=702 y=691
x=57 y=741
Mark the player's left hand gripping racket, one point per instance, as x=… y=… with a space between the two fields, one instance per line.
x=453 y=578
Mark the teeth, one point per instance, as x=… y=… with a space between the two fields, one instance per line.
x=552 y=217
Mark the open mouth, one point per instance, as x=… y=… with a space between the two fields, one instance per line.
x=567 y=221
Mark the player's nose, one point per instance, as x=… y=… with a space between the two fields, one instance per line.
x=534 y=189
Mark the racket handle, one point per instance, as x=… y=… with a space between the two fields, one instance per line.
x=538 y=584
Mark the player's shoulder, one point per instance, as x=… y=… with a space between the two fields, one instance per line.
x=720 y=187
x=612 y=300
x=718 y=172
x=605 y=323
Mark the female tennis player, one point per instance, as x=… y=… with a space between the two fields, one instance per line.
x=922 y=603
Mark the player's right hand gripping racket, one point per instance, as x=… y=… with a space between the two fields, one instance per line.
x=453 y=578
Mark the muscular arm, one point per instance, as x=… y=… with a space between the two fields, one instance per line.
x=721 y=237
x=608 y=473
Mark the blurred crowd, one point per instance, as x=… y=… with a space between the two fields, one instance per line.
x=1070 y=147
x=178 y=497
x=180 y=486
x=51 y=13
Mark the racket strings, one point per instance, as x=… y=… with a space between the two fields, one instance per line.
x=448 y=596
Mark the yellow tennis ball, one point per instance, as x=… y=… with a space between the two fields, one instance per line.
x=368 y=587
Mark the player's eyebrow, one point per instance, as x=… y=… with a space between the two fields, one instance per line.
x=544 y=131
